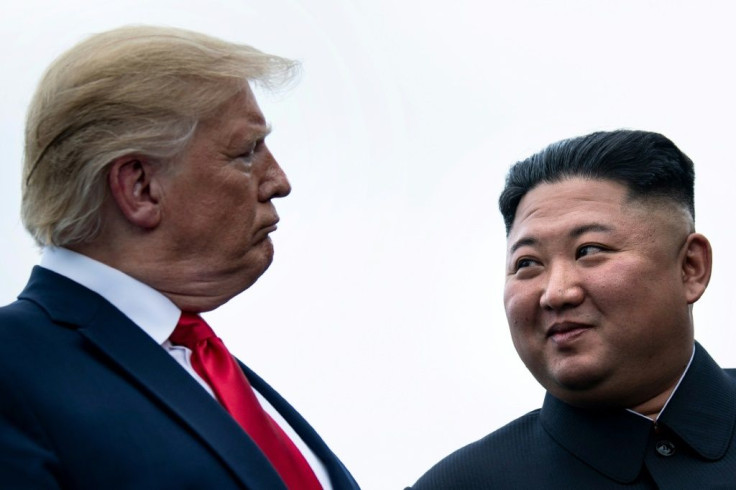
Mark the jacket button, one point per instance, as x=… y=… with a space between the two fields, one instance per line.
x=665 y=448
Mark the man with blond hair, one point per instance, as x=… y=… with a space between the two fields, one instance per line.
x=148 y=184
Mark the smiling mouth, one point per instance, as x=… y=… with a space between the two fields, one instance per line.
x=562 y=333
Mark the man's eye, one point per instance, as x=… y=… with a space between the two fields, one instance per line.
x=523 y=263
x=248 y=155
x=589 y=250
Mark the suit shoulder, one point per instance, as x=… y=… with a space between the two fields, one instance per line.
x=20 y=313
x=29 y=337
x=483 y=463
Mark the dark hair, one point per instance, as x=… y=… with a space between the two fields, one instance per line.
x=648 y=164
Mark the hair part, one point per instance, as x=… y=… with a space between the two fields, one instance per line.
x=138 y=90
x=648 y=164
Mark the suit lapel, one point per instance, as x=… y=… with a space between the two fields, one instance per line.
x=340 y=477
x=149 y=367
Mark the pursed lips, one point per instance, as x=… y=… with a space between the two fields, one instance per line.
x=272 y=222
x=265 y=230
x=270 y=228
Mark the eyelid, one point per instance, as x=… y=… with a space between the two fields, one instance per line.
x=516 y=264
x=252 y=149
x=599 y=247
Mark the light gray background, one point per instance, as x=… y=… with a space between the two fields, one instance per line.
x=384 y=300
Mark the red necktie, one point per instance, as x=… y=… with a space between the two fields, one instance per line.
x=212 y=361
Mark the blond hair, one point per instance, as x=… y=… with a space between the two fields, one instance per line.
x=134 y=90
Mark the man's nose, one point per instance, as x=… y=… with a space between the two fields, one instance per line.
x=563 y=288
x=274 y=183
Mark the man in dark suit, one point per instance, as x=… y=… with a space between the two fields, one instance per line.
x=148 y=183
x=603 y=267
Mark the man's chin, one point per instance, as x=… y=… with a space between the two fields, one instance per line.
x=592 y=390
x=256 y=266
x=574 y=381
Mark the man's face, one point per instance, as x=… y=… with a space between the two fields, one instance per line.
x=217 y=205
x=595 y=293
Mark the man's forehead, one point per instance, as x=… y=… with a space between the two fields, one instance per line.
x=577 y=194
x=569 y=207
x=238 y=120
x=248 y=119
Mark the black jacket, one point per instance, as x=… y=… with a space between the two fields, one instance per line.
x=692 y=445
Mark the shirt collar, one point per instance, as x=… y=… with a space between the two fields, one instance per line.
x=702 y=412
x=153 y=312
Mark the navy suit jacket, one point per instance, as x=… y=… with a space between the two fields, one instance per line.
x=89 y=401
x=692 y=445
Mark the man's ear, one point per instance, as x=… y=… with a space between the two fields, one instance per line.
x=135 y=187
x=696 y=266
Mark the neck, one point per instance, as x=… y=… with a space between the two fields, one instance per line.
x=186 y=283
x=653 y=407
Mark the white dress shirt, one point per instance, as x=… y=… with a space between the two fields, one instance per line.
x=156 y=315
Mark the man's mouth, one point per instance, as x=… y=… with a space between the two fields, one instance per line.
x=564 y=332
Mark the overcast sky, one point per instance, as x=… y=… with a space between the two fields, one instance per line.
x=381 y=318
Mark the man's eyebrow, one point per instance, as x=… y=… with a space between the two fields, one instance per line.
x=266 y=130
x=262 y=131
x=581 y=230
x=529 y=241
x=249 y=135
x=574 y=233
